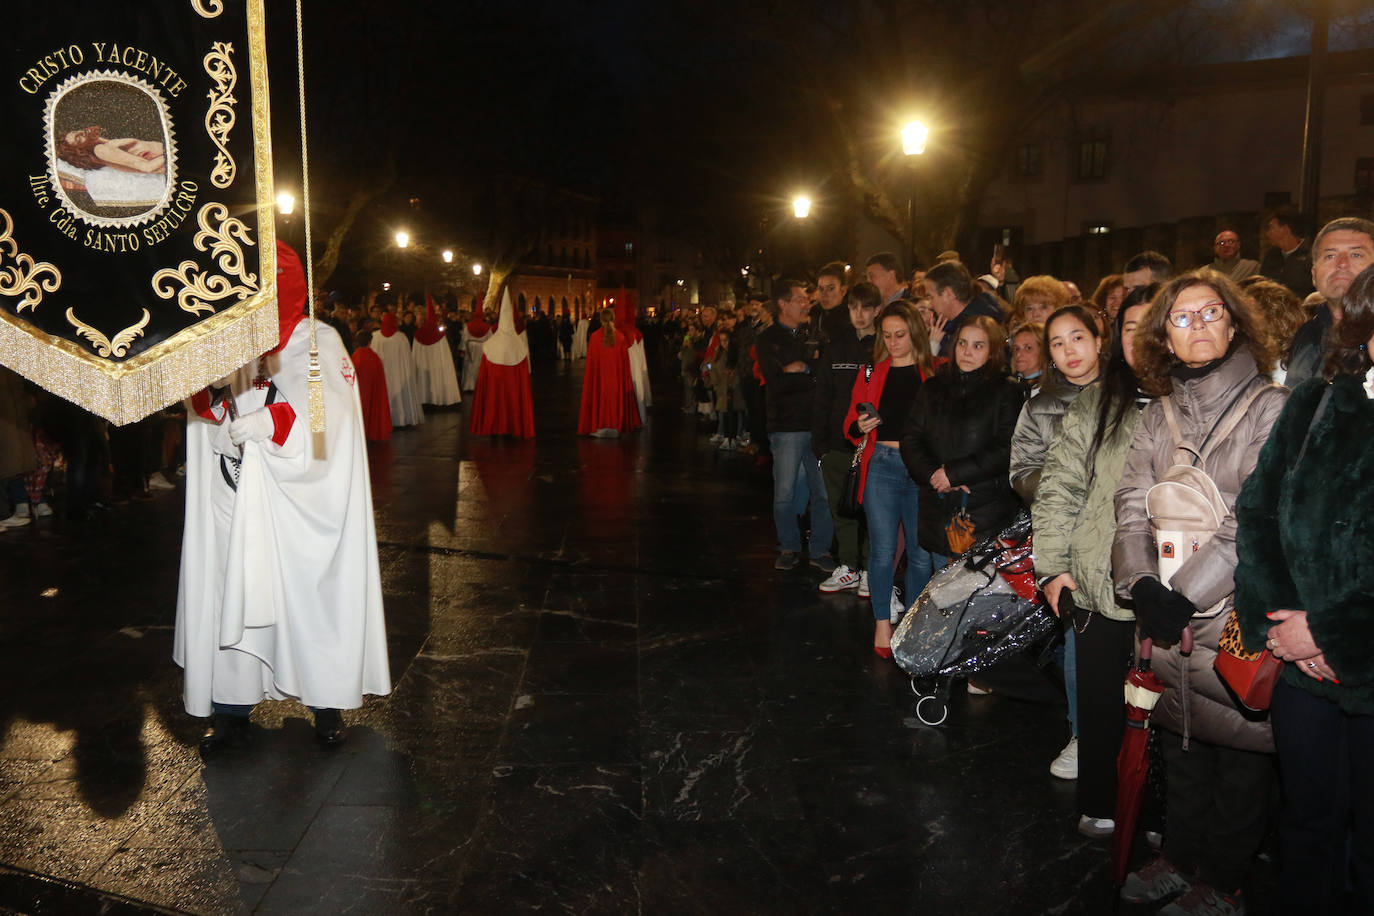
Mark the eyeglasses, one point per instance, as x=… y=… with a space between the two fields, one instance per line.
x=1227 y=242
x=1209 y=313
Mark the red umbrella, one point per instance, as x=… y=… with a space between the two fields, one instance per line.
x=1143 y=690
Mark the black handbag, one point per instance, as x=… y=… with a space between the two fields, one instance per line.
x=849 y=505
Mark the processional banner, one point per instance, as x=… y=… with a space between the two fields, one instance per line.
x=137 y=247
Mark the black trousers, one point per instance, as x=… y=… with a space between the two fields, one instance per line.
x=1324 y=760
x=1105 y=648
x=1218 y=808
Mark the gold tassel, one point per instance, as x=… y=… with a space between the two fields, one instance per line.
x=315 y=385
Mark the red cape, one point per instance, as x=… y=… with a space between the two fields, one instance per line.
x=501 y=405
x=372 y=392
x=608 y=394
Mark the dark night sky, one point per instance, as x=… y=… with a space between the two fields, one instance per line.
x=696 y=106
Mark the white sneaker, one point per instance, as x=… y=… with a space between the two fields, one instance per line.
x=895 y=607
x=1065 y=766
x=1096 y=826
x=863 y=583
x=158 y=482
x=726 y=445
x=841 y=580
x=15 y=521
x=21 y=510
x=717 y=438
x=975 y=691
x=42 y=510
x=745 y=439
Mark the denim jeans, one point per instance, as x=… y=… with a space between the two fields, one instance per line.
x=796 y=481
x=890 y=499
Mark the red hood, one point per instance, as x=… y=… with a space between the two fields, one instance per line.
x=291 y=293
x=478 y=326
x=429 y=332
x=388 y=324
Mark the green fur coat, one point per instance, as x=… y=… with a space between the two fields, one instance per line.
x=1305 y=538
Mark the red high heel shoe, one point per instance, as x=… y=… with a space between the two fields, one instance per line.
x=882 y=651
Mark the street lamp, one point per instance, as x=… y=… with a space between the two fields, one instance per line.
x=402 y=239
x=447 y=256
x=801 y=206
x=477 y=270
x=914 y=136
x=286 y=203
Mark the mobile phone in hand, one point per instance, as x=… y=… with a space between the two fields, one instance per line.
x=867 y=409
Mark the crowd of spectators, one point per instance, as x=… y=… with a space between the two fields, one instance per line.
x=969 y=399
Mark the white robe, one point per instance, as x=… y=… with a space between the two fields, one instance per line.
x=280 y=593
x=472 y=356
x=394 y=352
x=579 y=346
x=639 y=375
x=435 y=377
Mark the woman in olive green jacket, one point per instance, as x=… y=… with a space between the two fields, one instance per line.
x=1074 y=523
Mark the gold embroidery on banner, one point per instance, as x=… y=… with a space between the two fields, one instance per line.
x=24 y=277
x=102 y=345
x=208 y=9
x=219 y=117
x=199 y=291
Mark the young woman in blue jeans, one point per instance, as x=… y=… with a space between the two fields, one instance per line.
x=901 y=362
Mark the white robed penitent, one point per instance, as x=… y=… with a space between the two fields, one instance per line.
x=280 y=592
x=639 y=376
x=579 y=344
x=435 y=377
x=402 y=388
x=472 y=352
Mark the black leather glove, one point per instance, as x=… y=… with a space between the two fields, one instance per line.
x=1160 y=612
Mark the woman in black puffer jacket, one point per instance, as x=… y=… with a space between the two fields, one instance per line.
x=957 y=441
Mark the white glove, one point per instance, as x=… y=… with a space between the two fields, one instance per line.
x=257 y=426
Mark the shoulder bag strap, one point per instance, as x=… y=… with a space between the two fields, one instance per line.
x=1230 y=422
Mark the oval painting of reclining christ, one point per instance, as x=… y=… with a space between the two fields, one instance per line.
x=111 y=149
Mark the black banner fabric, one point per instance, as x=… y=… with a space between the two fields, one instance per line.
x=137 y=252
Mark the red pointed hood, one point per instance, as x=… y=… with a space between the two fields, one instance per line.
x=388 y=324
x=429 y=332
x=291 y=293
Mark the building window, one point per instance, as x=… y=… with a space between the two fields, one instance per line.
x=1364 y=175
x=1367 y=109
x=1028 y=160
x=1093 y=148
x=629 y=249
x=607 y=280
x=562 y=255
x=629 y=279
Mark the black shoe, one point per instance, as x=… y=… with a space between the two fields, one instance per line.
x=226 y=732
x=329 y=727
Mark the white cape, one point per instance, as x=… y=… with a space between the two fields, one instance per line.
x=280 y=593
x=639 y=376
x=472 y=357
x=394 y=352
x=435 y=376
x=579 y=346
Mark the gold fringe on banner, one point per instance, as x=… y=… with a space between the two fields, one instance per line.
x=174 y=369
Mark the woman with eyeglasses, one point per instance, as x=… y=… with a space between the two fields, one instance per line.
x=1204 y=348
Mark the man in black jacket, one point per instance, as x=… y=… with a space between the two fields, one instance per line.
x=1289 y=258
x=787 y=359
x=1343 y=249
x=955 y=299
x=846 y=352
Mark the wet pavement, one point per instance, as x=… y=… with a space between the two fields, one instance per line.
x=606 y=701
